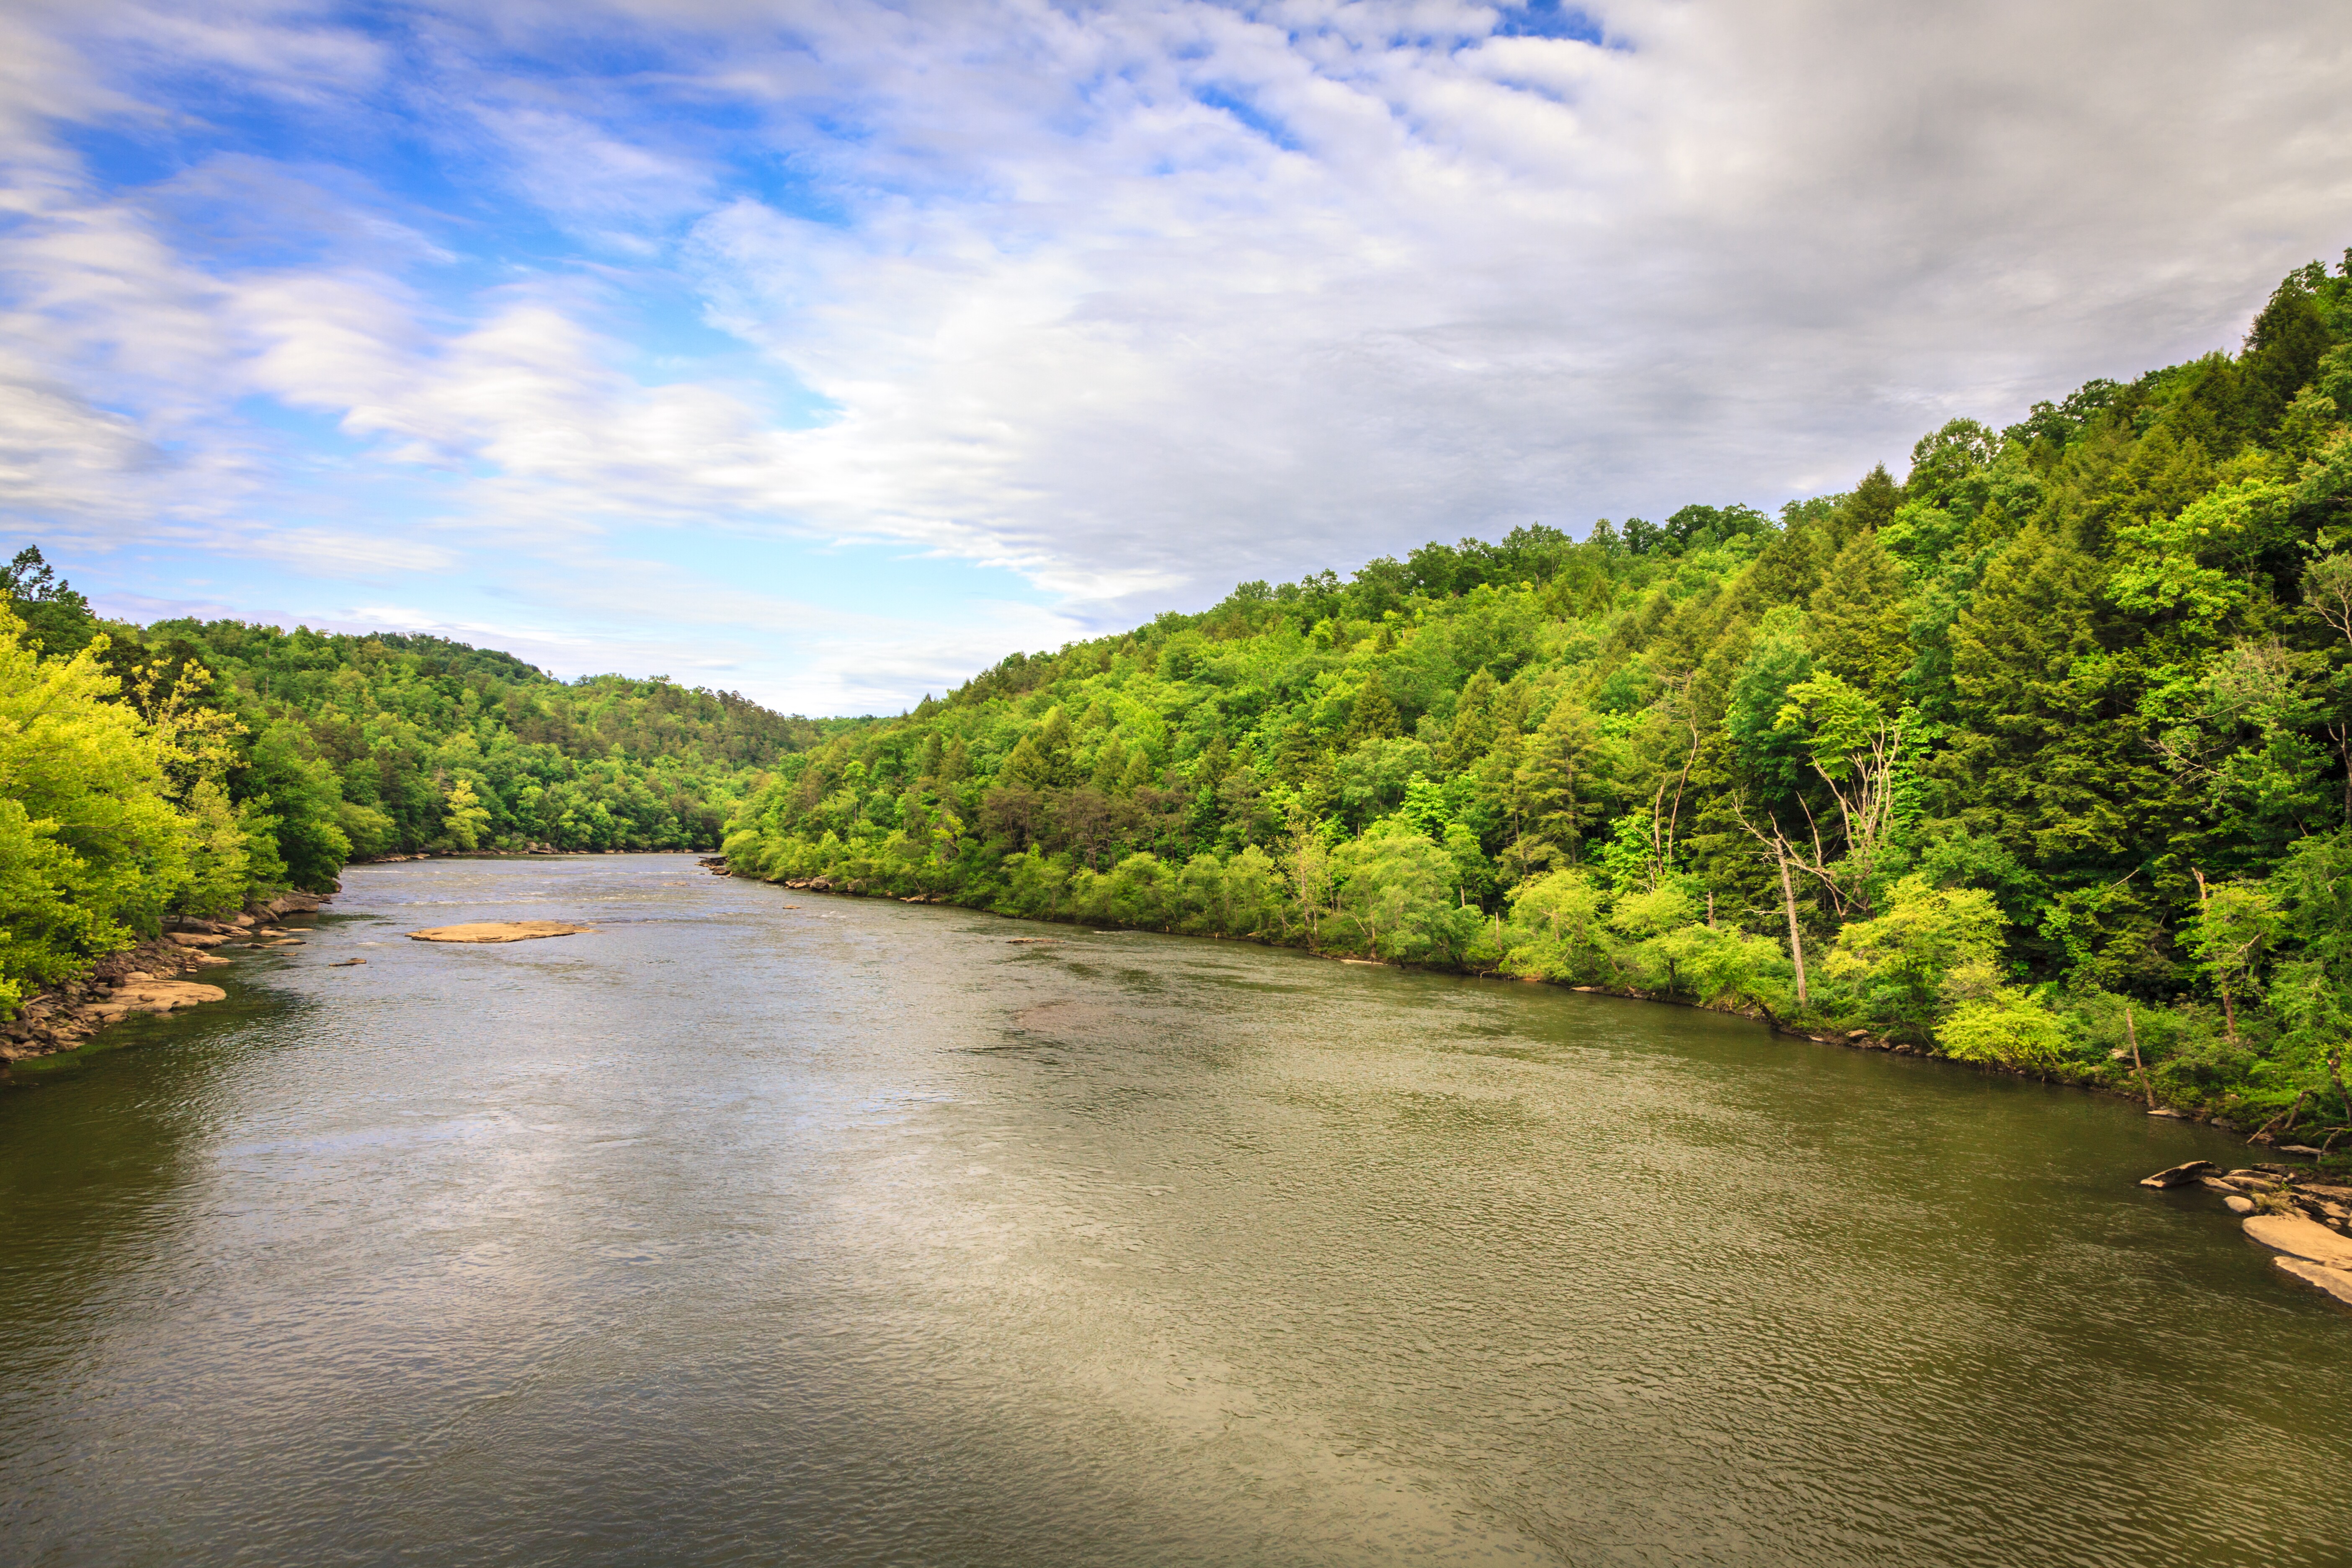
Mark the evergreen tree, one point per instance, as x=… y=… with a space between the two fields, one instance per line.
x=1859 y=628
x=1473 y=732
x=1373 y=716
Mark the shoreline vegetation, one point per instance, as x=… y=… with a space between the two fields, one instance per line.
x=2037 y=758
x=140 y=980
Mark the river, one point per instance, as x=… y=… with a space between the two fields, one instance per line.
x=765 y=1227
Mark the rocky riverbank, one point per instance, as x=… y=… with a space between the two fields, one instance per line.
x=150 y=978
x=2307 y=1222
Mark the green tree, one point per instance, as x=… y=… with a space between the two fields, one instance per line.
x=1859 y=627
x=1373 y=715
x=1559 y=929
x=463 y=818
x=303 y=794
x=2007 y=1026
x=1396 y=890
x=2232 y=934
x=54 y=618
x=1898 y=964
x=92 y=851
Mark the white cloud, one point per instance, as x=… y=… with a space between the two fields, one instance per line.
x=329 y=552
x=1137 y=300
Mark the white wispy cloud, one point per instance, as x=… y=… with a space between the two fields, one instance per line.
x=1135 y=300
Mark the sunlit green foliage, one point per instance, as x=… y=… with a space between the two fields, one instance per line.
x=92 y=851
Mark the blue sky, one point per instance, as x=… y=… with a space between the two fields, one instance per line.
x=830 y=350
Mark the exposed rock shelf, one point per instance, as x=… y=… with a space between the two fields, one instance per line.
x=2307 y=1223
x=143 y=980
x=499 y=930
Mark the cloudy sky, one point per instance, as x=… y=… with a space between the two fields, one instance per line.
x=829 y=349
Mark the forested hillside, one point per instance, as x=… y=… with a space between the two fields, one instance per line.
x=2035 y=757
x=191 y=768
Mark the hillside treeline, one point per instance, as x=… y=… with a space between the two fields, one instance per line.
x=2034 y=755
x=191 y=768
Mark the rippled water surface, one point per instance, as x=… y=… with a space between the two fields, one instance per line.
x=771 y=1229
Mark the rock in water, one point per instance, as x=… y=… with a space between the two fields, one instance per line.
x=2337 y=1282
x=145 y=995
x=499 y=930
x=2178 y=1175
x=2303 y=1237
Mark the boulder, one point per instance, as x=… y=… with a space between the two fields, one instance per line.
x=2178 y=1175
x=2337 y=1282
x=2303 y=1237
x=2239 y=1203
x=499 y=930
x=191 y=939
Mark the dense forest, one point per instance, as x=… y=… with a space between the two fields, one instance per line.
x=2036 y=757
x=191 y=768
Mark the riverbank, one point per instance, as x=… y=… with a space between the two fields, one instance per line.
x=147 y=979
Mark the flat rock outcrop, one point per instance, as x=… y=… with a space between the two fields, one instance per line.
x=2301 y=1237
x=2337 y=1282
x=143 y=995
x=2179 y=1175
x=499 y=930
x=143 y=979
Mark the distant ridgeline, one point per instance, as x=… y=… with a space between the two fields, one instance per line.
x=190 y=767
x=2034 y=757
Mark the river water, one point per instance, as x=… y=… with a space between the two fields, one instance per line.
x=763 y=1227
